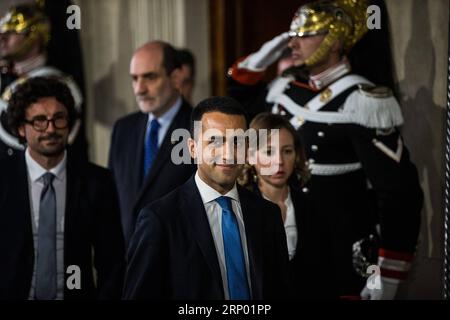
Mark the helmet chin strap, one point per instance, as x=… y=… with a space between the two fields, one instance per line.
x=322 y=52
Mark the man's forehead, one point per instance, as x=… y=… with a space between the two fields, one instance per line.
x=223 y=133
x=223 y=120
x=146 y=60
x=46 y=104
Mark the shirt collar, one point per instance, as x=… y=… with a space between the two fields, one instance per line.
x=209 y=194
x=167 y=117
x=36 y=171
x=330 y=75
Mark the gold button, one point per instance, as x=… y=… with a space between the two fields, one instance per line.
x=326 y=95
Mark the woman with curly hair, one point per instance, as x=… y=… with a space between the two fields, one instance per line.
x=278 y=172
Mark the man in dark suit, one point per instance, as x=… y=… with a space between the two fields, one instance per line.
x=141 y=143
x=210 y=239
x=59 y=217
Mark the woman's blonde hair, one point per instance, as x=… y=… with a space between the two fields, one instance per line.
x=270 y=121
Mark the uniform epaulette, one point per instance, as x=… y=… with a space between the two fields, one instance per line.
x=373 y=107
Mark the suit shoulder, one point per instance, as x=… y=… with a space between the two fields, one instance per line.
x=270 y=206
x=186 y=106
x=129 y=120
x=166 y=206
x=93 y=174
x=257 y=200
x=5 y=164
x=96 y=169
x=185 y=112
x=9 y=165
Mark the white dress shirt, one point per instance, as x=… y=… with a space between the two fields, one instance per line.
x=214 y=214
x=35 y=186
x=290 y=225
x=165 y=120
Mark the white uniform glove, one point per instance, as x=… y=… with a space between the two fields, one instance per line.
x=379 y=288
x=267 y=54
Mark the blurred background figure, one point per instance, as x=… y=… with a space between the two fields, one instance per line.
x=187 y=81
x=141 y=142
x=25 y=32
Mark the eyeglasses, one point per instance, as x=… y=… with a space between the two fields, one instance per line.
x=41 y=123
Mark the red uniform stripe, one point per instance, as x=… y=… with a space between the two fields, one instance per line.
x=400 y=275
x=395 y=255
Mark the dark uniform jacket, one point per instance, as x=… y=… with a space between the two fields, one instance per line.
x=362 y=175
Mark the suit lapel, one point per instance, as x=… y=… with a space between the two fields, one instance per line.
x=24 y=222
x=301 y=210
x=139 y=151
x=72 y=211
x=163 y=152
x=23 y=189
x=253 y=231
x=25 y=210
x=194 y=209
x=16 y=229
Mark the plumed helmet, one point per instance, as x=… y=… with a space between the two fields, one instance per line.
x=344 y=20
x=29 y=20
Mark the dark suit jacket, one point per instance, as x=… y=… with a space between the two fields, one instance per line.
x=310 y=276
x=126 y=163
x=172 y=253
x=310 y=272
x=92 y=225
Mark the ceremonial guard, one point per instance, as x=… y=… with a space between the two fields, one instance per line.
x=363 y=183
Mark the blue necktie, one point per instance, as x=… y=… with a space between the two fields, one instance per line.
x=151 y=145
x=46 y=253
x=234 y=255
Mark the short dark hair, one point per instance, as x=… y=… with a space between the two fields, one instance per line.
x=187 y=58
x=170 y=58
x=31 y=91
x=225 y=105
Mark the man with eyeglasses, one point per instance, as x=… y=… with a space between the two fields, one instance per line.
x=59 y=218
